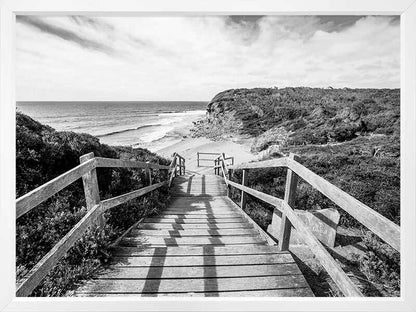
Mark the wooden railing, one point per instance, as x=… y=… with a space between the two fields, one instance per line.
x=95 y=206
x=375 y=222
x=199 y=159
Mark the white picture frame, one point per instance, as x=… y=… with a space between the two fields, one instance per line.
x=407 y=11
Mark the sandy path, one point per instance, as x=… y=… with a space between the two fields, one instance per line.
x=188 y=148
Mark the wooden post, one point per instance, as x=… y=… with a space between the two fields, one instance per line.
x=230 y=173
x=290 y=195
x=92 y=193
x=223 y=164
x=197 y=159
x=243 y=194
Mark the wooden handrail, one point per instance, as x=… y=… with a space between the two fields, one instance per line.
x=42 y=268
x=378 y=224
x=387 y=230
x=119 y=163
x=84 y=170
x=30 y=200
x=118 y=200
x=375 y=222
x=331 y=266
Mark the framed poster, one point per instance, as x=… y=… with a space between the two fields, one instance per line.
x=186 y=155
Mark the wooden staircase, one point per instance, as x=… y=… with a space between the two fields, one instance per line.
x=202 y=245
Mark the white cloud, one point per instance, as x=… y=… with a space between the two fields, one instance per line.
x=193 y=58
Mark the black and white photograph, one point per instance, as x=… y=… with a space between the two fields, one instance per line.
x=208 y=155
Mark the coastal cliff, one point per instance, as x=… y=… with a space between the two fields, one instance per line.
x=301 y=116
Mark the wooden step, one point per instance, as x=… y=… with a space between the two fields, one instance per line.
x=193 y=232
x=190 y=241
x=202 y=271
x=194 y=220
x=197 y=251
x=200 y=216
x=192 y=261
x=185 y=226
x=200 y=213
x=154 y=285
x=197 y=207
x=193 y=195
x=288 y=292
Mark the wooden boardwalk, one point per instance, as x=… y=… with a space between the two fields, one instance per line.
x=201 y=245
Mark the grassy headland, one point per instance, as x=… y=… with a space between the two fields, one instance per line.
x=351 y=137
x=41 y=155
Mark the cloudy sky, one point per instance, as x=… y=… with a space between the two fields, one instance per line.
x=193 y=58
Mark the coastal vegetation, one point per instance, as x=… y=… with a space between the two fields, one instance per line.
x=351 y=137
x=42 y=154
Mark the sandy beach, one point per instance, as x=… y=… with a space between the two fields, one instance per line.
x=189 y=147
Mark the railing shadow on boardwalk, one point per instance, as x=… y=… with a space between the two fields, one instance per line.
x=381 y=226
x=156 y=267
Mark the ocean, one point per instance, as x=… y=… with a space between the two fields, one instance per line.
x=151 y=125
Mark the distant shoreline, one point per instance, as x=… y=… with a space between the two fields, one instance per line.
x=148 y=124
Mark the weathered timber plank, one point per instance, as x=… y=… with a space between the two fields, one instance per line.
x=204 y=208
x=30 y=200
x=221 y=213
x=193 y=220
x=197 y=180
x=177 y=194
x=184 y=226
x=202 y=272
x=182 y=241
x=196 y=285
x=260 y=231
x=380 y=225
x=204 y=260
x=197 y=184
x=119 y=163
x=118 y=200
x=287 y=292
x=216 y=200
x=185 y=233
x=39 y=271
x=196 y=251
x=194 y=204
x=195 y=191
x=199 y=216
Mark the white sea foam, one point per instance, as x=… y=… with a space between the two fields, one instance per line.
x=152 y=125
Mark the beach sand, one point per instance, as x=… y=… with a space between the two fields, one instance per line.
x=189 y=147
